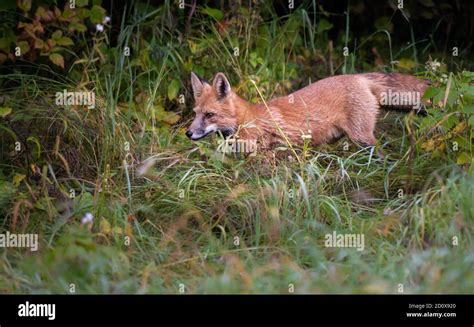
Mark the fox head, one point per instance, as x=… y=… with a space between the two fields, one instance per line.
x=214 y=108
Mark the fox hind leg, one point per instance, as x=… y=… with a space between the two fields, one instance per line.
x=366 y=138
x=360 y=129
x=362 y=117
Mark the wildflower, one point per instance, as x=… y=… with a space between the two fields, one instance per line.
x=87 y=219
x=99 y=27
x=106 y=20
x=433 y=65
x=306 y=136
x=444 y=79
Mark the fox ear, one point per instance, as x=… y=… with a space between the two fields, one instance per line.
x=198 y=85
x=221 y=85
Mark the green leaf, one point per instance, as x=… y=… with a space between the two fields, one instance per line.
x=82 y=3
x=105 y=226
x=41 y=13
x=65 y=41
x=56 y=49
x=9 y=131
x=39 y=44
x=469 y=109
x=468 y=74
x=253 y=59
x=173 y=89
x=97 y=14
x=24 y=5
x=83 y=203
x=171 y=117
x=452 y=97
x=463 y=158
x=439 y=97
x=324 y=25
x=5 y=111
x=427 y=122
x=36 y=141
x=214 y=13
x=468 y=93
x=56 y=35
x=4 y=43
x=74 y=26
x=471 y=121
x=406 y=64
x=198 y=69
x=24 y=47
x=17 y=179
x=430 y=92
x=83 y=13
x=450 y=122
x=57 y=59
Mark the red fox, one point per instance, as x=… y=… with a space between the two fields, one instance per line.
x=322 y=112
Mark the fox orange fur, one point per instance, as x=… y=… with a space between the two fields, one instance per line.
x=323 y=111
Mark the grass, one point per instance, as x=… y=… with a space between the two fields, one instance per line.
x=172 y=216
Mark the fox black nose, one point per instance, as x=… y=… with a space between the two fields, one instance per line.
x=189 y=134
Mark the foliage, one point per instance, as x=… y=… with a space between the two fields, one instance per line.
x=48 y=32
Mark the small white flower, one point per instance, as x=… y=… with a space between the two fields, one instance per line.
x=433 y=65
x=99 y=27
x=88 y=217
x=306 y=136
x=443 y=79
x=106 y=20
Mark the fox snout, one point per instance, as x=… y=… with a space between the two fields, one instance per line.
x=195 y=134
x=200 y=128
x=199 y=132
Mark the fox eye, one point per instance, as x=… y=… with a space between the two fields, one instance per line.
x=209 y=114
